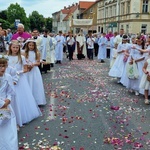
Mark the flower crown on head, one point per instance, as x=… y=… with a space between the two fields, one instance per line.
x=15 y=42
x=30 y=40
x=142 y=38
x=4 y=57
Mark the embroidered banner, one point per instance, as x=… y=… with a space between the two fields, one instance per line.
x=82 y=22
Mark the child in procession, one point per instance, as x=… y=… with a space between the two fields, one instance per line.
x=118 y=67
x=145 y=84
x=139 y=59
x=8 y=129
x=124 y=78
x=24 y=98
x=34 y=77
x=90 y=46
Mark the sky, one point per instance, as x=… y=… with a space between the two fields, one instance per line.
x=44 y=7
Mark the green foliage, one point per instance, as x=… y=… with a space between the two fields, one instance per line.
x=48 y=24
x=5 y=24
x=14 y=11
x=36 y=21
x=3 y=14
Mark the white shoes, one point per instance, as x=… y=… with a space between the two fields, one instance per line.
x=146 y=101
x=137 y=93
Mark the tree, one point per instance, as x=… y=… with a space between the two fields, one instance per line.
x=3 y=14
x=4 y=24
x=48 y=24
x=37 y=21
x=15 y=11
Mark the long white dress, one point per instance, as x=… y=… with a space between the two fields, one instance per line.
x=134 y=83
x=52 y=50
x=24 y=98
x=8 y=131
x=12 y=71
x=102 y=42
x=59 y=47
x=145 y=84
x=124 y=79
x=119 y=65
x=45 y=49
x=35 y=81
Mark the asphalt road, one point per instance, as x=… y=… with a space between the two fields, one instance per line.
x=87 y=110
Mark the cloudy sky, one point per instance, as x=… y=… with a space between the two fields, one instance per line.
x=44 y=7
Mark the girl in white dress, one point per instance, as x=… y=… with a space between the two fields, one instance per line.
x=119 y=64
x=8 y=131
x=139 y=58
x=12 y=71
x=124 y=79
x=34 y=76
x=24 y=98
x=145 y=84
x=113 y=56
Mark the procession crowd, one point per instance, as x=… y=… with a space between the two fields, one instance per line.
x=25 y=56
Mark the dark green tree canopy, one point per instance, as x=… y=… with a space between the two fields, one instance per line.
x=37 y=21
x=3 y=14
x=14 y=11
x=48 y=24
x=5 y=24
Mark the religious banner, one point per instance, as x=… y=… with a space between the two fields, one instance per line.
x=82 y=22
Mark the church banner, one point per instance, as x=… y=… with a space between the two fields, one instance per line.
x=82 y=22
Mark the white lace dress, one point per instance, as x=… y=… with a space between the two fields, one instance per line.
x=35 y=81
x=119 y=65
x=134 y=83
x=24 y=98
x=8 y=131
x=145 y=84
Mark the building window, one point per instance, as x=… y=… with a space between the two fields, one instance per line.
x=128 y=7
x=145 y=6
x=121 y=26
x=122 y=8
x=102 y=13
x=106 y=12
x=144 y=28
x=91 y=10
x=127 y=28
x=99 y=28
x=115 y=10
x=110 y=14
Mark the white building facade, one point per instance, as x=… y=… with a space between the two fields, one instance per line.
x=62 y=20
x=131 y=15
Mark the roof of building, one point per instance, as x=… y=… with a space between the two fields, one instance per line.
x=89 y=7
x=69 y=10
x=85 y=4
